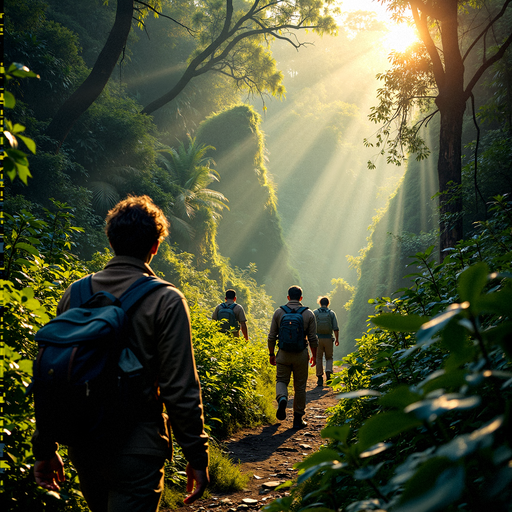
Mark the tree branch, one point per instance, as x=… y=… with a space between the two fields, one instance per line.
x=486 y=29
x=486 y=65
x=422 y=26
x=94 y=84
x=151 y=8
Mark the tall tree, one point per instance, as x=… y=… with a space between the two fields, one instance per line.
x=435 y=70
x=231 y=42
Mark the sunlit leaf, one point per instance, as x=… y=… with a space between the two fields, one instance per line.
x=429 y=410
x=399 y=323
x=430 y=328
x=9 y=99
x=375 y=450
x=466 y=444
x=27 y=247
x=358 y=394
x=31 y=145
x=324 y=455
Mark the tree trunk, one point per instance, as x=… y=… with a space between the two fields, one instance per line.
x=451 y=102
x=94 y=84
x=449 y=170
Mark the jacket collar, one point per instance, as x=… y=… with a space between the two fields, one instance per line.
x=129 y=261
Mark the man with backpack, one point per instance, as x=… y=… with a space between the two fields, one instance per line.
x=120 y=463
x=293 y=327
x=326 y=324
x=231 y=315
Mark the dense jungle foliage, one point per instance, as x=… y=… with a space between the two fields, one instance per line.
x=424 y=419
x=424 y=423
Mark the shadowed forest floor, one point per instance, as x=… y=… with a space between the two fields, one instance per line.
x=268 y=453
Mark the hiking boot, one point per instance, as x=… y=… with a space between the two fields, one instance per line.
x=328 y=376
x=281 y=409
x=320 y=382
x=298 y=421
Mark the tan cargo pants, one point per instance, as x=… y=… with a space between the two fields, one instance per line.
x=325 y=346
x=296 y=363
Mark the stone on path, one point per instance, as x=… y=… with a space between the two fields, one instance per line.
x=271 y=485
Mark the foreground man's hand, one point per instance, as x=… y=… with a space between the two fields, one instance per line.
x=48 y=472
x=201 y=479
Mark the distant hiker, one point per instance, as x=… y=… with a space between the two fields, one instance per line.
x=293 y=326
x=231 y=315
x=122 y=467
x=326 y=324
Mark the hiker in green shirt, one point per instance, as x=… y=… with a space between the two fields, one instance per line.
x=326 y=324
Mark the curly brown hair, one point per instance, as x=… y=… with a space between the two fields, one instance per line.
x=134 y=225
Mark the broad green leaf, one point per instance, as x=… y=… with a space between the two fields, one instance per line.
x=31 y=145
x=324 y=455
x=429 y=329
x=399 y=397
x=454 y=337
x=332 y=466
x=23 y=173
x=501 y=335
x=384 y=426
x=27 y=247
x=21 y=71
x=399 y=323
x=17 y=156
x=9 y=100
x=466 y=444
x=337 y=433
x=472 y=281
x=429 y=410
x=447 y=380
x=499 y=303
x=358 y=394
x=375 y=450
x=435 y=485
x=368 y=472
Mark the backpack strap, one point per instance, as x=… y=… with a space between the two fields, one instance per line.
x=302 y=309
x=139 y=289
x=81 y=291
x=286 y=309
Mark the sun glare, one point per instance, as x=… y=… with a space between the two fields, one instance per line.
x=400 y=37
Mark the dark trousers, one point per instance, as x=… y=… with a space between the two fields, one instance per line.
x=121 y=483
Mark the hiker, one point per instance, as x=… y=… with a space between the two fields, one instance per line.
x=232 y=316
x=128 y=475
x=293 y=327
x=326 y=324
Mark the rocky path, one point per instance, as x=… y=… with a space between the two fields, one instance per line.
x=269 y=452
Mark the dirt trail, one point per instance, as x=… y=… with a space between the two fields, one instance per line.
x=269 y=452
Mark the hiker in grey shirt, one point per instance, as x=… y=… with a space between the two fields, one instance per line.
x=326 y=325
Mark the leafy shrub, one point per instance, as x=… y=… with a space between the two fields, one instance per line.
x=425 y=418
x=39 y=266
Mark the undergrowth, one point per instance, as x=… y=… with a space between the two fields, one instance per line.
x=424 y=422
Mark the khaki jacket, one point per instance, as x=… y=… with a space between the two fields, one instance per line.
x=162 y=335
